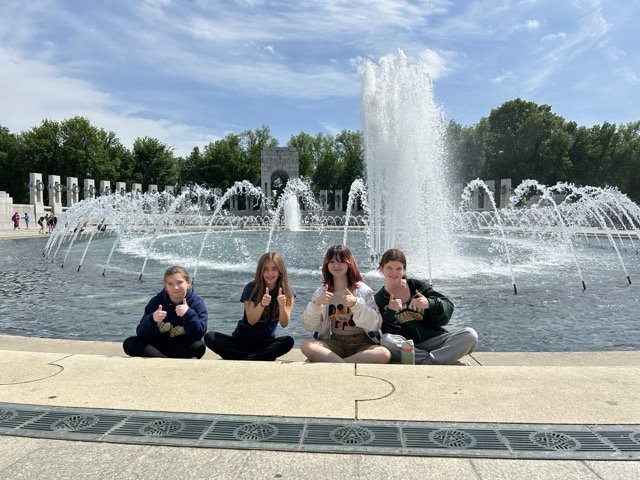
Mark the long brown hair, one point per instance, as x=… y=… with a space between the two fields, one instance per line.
x=342 y=254
x=282 y=281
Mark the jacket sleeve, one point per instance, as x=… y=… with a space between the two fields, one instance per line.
x=389 y=323
x=365 y=311
x=440 y=307
x=196 y=319
x=313 y=314
x=147 y=328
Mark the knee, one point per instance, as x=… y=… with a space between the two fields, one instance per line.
x=209 y=338
x=472 y=337
x=199 y=349
x=304 y=347
x=385 y=354
x=289 y=342
x=129 y=346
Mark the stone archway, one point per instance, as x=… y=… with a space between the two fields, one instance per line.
x=279 y=165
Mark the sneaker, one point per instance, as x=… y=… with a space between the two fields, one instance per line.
x=461 y=363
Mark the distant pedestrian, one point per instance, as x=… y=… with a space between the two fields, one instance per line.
x=16 y=220
x=51 y=222
x=41 y=221
x=26 y=219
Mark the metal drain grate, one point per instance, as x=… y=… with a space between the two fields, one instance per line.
x=608 y=442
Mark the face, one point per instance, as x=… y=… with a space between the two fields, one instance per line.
x=270 y=274
x=393 y=271
x=337 y=268
x=176 y=286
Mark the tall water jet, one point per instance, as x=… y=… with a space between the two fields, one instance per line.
x=292 y=220
x=406 y=171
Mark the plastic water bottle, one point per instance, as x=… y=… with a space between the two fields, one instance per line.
x=407 y=353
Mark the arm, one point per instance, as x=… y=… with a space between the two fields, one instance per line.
x=148 y=328
x=196 y=318
x=440 y=307
x=313 y=314
x=285 y=306
x=365 y=311
x=389 y=323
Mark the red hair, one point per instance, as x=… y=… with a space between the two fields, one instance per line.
x=342 y=254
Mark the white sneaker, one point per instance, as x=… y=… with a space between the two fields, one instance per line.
x=461 y=363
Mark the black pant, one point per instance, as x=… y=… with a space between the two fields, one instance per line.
x=231 y=348
x=163 y=348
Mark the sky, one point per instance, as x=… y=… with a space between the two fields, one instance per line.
x=190 y=72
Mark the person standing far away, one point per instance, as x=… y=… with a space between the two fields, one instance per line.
x=26 y=219
x=42 y=221
x=16 y=220
x=343 y=315
x=412 y=310
x=268 y=301
x=173 y=321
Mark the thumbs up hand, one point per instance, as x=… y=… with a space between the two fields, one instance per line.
x=182 y=308
x=395 y=304
x=266 y=298
x=282 y=299
x=324 y=298
x=349 y=299
x=420 y=301
x=159 y=315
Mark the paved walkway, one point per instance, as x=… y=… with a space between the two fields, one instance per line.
x=515 y=389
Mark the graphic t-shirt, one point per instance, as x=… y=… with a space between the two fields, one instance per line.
x=341 y=318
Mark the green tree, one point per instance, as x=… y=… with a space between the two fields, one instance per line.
x=15 y=179
x=154 y=163
x=349 y=148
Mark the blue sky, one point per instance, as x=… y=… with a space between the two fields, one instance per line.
x=188 y=73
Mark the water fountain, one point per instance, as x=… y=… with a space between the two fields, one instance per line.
x=570 y=253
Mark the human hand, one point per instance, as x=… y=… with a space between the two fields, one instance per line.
x=349 y=299
x=420 y=301
x=159 y=315
x=282 y=299
x=265 y=301
x=182 y=308
x=324 y=298
x=395 y=304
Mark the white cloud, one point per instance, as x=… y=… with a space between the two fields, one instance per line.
x=553 y=37
x=506 y=75
x=435 y=62
x=34 y=91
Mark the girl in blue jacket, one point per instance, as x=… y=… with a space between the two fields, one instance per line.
x=173 y=323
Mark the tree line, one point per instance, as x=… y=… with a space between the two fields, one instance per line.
x=518 y=140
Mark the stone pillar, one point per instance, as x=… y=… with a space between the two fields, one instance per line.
x=152 y=188
x=89 y=188
x=337 y=201
x=73 y=191
x=169 y=189
x=475 y=200
x=136 y=187
x=323 y=200
x=121 y=188
x=491 y=186
x=36 y=195
x=55 y=194
x=6 y=207
x=105 y=187
x=505 y=192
